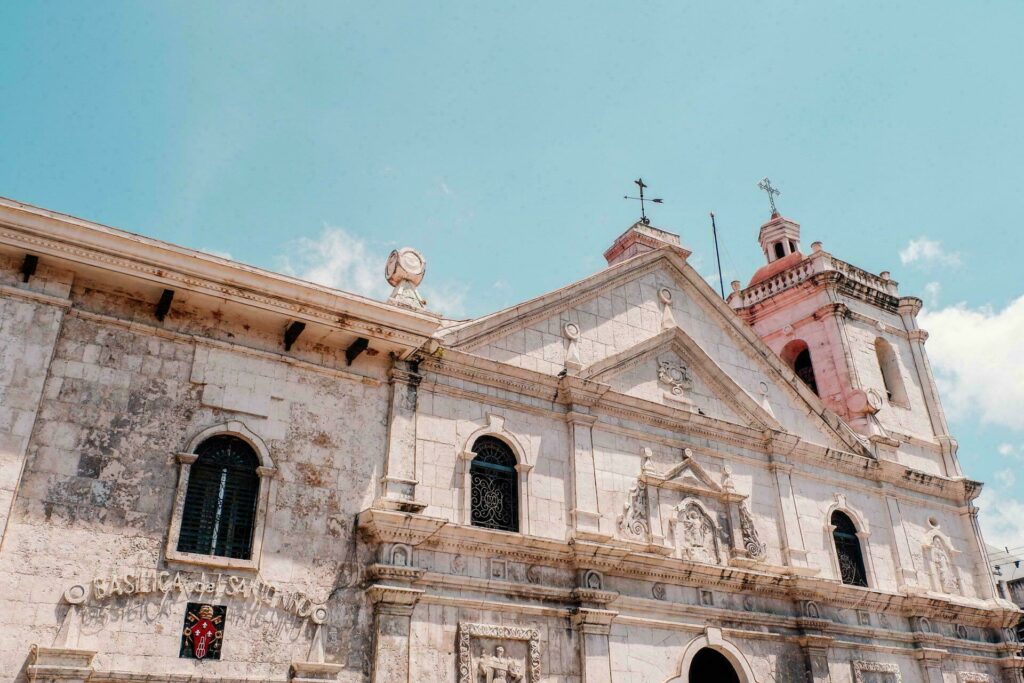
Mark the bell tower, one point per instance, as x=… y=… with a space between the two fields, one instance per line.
x=853 y=340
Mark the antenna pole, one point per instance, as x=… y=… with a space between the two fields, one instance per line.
x=714 y=232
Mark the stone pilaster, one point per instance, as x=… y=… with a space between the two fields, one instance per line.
x=398 y=486
x=593 y=626
x=907 y=575
x=1013 y=670
x=931 y=663
x=815 y=648
x=585 y=514
x=793 y=551
x=392 y=619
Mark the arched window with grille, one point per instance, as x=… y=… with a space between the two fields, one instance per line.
x=219 y=514
x=495 y=485
x=848 y=550
x=797 y=355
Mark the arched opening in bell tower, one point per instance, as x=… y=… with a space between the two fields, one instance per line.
x=797 y=356
x=711 y=666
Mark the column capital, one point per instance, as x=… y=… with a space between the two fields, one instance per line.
x=398 y=600
x=593 y=621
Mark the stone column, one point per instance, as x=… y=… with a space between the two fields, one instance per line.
x=931 y=663
x=399 y=482
x=593 y=626
x=986 y=584
x=815 y=649
x=585 y=514
x=1013 y=670
x=392 y=619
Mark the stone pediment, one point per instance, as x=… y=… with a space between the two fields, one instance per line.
x=689 y=477
x=672 y=369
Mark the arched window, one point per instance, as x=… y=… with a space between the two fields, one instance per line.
x=495 y=485
x=891 y=375
x=848 y=552
x=220 y=502
x=780 y=251
x=712 y=666
x=798 y=357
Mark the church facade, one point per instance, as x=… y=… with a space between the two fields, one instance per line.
x=211 y=472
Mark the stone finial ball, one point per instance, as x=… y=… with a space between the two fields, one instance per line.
x=405 y=265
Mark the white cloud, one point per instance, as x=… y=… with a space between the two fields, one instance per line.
x=931 y=292
x=1005 y=449
x=337 y=258
x=1002 y=519
x=976 y=355
x=928 y=252
x=1006 y=477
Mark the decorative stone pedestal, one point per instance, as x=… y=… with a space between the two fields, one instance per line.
x=67 y=665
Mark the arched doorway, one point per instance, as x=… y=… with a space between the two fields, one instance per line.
x=711 y=666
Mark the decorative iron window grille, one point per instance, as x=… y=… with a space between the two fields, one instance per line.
x=495 y=485
x=220 y=501
x=851 y=559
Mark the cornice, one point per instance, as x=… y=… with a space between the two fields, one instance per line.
x=621 y=560
x=76 y=241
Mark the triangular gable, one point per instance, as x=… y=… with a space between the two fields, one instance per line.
x=534 y=335
x=689 y=475
x=744 y=408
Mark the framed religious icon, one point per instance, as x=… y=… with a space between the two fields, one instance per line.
x=203 y=631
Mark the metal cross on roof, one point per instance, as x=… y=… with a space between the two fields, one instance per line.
x=643 y=214
x=766 y=185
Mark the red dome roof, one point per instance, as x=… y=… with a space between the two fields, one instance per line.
x=775 y=267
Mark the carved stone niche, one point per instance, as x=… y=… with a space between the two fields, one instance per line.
x=694 y=517
x=492 y=653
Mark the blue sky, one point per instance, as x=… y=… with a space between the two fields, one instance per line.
x=499 y=138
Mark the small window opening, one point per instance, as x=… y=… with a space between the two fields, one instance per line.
x=220 y=502
x=792 y=246
x=798 y=357
x=848 y=550
x=892 y=378
x=495 y=485
x=779 y=251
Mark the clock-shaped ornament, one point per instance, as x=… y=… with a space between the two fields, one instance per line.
x=404 y=271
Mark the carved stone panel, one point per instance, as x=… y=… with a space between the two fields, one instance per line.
x=697 y=534
x=498 y=654
x=634 y=522
x=876 y=672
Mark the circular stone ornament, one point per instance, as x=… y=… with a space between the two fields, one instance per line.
x=75 y=595
x=571 y=331
x=405 y=265
x=665 y=294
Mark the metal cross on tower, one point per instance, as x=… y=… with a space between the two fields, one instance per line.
x=643 y=214
x=766 y=185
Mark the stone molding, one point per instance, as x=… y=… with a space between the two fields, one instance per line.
x=90 y=244
x=468 y=631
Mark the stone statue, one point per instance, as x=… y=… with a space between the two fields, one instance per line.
x=498 y=668
x=698 y=536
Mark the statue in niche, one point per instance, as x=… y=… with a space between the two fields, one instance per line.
x=699 y=542
x=498 y=668
x=945 y=574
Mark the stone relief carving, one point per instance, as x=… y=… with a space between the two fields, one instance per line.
x=676 y=375
x=495 y=665
x=458 y=564
x=593 y=580
x=633 y=521
x=943 y=571
x=876 y=672
x=972 y=677
x=658 y=591
x=696 y=534
x=498 y=668
x=751 y=543
x=533 y=574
